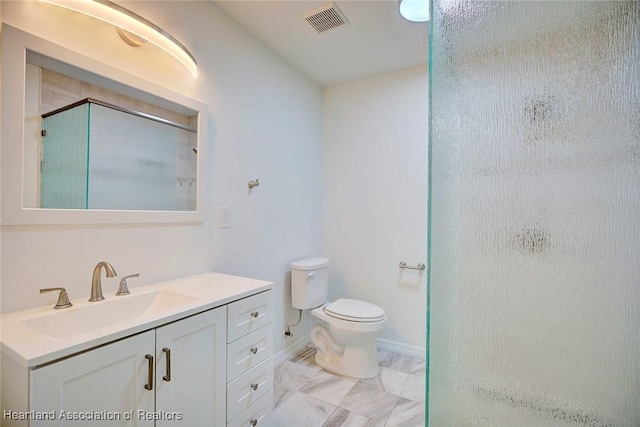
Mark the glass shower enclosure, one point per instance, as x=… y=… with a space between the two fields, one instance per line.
x=534 y=275
x=96 y=155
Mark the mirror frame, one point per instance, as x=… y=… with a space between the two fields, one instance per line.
x=15 y=44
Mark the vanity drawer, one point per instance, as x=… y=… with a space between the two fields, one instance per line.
x=249 y=387
x=248 y=314
x=248 y=351
x=261 y=411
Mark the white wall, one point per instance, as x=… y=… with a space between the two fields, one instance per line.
x=265 y=122
x=375 y=196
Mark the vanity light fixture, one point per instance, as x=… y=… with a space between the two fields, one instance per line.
x=133 y=23
x=414 y=10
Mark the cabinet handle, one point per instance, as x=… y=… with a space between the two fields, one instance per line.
x=254 y=386
x=254 y=314
x=254 y=350
x=149 y=384
x=253 y=422
x=167 y=377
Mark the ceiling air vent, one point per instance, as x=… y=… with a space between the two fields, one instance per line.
x=326 y=17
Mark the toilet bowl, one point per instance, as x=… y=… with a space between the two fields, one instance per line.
x=346 y=340
x=346 y=337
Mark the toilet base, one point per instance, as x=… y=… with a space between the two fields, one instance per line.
x=357 y=361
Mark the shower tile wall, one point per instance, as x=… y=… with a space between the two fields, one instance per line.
x=59 y=90
x=307 y=396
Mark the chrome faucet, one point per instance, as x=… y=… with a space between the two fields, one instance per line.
x=96 y=283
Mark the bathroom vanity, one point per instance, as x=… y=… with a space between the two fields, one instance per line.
x=194 y=351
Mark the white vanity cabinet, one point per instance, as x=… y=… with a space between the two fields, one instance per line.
x=173 y=375
x=190 y=369
x=195 y=351
x=250 y=361
x=109 y=379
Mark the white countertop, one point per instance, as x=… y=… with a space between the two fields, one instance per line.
x=30 y=348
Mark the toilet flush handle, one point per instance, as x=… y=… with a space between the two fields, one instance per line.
x=311 y=275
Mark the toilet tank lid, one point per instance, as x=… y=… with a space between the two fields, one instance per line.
x=310 y=263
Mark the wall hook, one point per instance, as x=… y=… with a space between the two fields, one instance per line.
x=255 y=183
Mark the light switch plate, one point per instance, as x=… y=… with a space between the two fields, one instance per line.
x=223 y=217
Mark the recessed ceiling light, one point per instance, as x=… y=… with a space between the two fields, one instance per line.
x=414 y=10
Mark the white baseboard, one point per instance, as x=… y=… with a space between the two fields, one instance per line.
x=398 y=347
x=291 y=349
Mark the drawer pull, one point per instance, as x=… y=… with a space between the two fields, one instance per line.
x=149 y=384
x=167 y=377
x=254 y=314
x=254 y=386
x=253 y=422
x=254 y=350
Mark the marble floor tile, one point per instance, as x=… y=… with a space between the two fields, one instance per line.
x=292 y=408
x=407 y=413
x=414 y=388
x=370 y=399
x=306 y=395
x=419 y=367
x=328 y=387
x=390 y=380
x=396 y=361
x=293 y=375
x=280 y=395
x=343 y=418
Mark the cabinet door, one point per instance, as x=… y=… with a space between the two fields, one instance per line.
x=191 y=368
x=105 y=386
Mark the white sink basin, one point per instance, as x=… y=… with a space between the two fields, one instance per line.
x=75 y=321
x=40 y=335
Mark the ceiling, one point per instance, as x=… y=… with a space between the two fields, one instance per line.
x=375 y=41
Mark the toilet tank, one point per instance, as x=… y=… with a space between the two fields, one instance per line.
x=309 y=283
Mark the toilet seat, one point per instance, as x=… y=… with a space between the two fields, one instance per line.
x=354 y=311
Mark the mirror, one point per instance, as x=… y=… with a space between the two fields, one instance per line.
x=86 y=143
x=95 y=148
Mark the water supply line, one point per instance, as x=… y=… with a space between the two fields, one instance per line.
x=288 y=332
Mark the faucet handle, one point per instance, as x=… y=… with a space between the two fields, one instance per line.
x=123 y=289
x=63 y=298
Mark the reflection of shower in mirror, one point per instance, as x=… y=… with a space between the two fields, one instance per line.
x=88 y=163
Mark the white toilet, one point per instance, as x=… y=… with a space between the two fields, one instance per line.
x=346 y=340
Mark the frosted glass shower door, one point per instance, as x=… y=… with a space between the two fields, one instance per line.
x=534 y=288
x=132 y=165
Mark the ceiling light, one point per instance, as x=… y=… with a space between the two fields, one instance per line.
x=414 y=10
x=133 y=23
